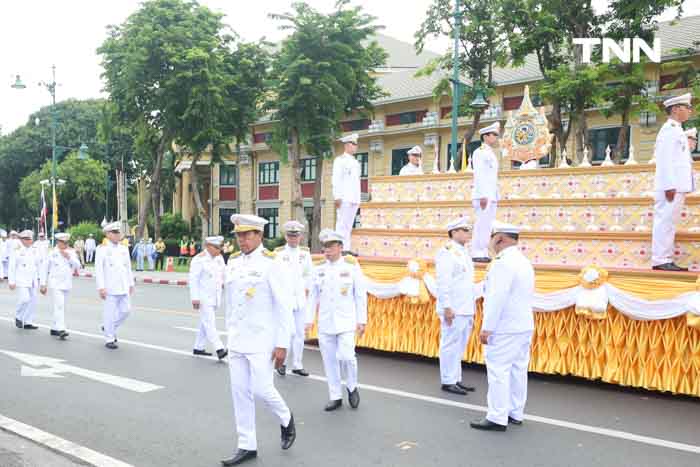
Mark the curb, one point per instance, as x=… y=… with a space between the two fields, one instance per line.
x=144 y=280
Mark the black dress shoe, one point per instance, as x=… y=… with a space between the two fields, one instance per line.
x=221 y=353
x=63 y=335
x=669 y=267
x=466 y=388
x=333 y=405
x=512 y=421
x=112 y=345
x=241 y=456
x=289 y=433
x=481 y=260
x=454 y=389
x=301 y=372
x=203 y=353
x=30 y=326
x=354 y=398
x=282 y=370
x=19 y=324
x=488 y=425
x=53 y=332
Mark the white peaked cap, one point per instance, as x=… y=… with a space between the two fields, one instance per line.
x=329 y=235
x=682 y=99
x=493 y=128
x=352 y=138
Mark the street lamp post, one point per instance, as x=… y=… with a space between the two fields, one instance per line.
x=51 y=87
x=456 y=85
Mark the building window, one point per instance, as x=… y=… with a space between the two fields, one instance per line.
x=272 y=226
x=406 y=118
x=308 y=169
x=228 y=175
x=512 y=103
x=647 y=119
x=363 y=159
x=225 y=225
x=355 y=125
x=399 y=158
x=262 y=138
x=269 y=173
x=357 y=224
x=601 y=138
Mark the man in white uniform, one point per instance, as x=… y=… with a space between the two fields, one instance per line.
x=673 y=180
x=296 y=260
x=12 y=244
x=57 y=274
x=42 y=245
x=507 y=330
x=485 y=192
x=259 y=323
x=413 y=167
x=338 y=290
x=206 y=281
x=455 y=304
x=23 y=275
x=90 y=247
x=346 y=188
x=115 y=282
x=3 y=254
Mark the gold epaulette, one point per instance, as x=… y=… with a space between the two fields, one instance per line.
x=304 y=248
x=350 y=259
x=268 y=253
x=448 y=246
x=279 y=248
x=236 y=254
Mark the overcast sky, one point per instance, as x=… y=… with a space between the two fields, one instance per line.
x=38 y=33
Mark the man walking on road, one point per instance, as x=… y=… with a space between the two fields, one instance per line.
x=506 y=331
x=115 y=282
x=296 y=260
x=338 y=290
x=23 y=275
x=259 y=322
x=57 y=274
x=206 y=281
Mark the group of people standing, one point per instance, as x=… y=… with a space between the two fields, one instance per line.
x=153 y=253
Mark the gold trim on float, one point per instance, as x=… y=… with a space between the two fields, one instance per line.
x=627 y=201
x=536 y=234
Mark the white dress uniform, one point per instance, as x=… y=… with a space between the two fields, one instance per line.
x=410 y=169
x=206 y=280
x=57 y=273
x=454 y=272
x=113 y=273
x=485 y=164
x=4 y=259
x=338 y=290
x=258 y=319
x=90 y=247
x=23 y=273
x=43 y=247
x=297 y=261
x=508 y=314
x=674 y=171
x=346 y=187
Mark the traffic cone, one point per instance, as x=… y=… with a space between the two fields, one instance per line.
x=170 y=265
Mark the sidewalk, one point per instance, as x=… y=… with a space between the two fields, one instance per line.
x=147 y=277
x=16 y=451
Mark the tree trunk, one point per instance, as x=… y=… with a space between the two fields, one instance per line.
x=201 y=212
x=556 y=130
x=581 y=133
x=622 y=137
x=154 y=191
x=143 y=192
x=297 y=197
x=469 y=134
x=316 y=216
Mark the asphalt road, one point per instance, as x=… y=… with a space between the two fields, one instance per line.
x=403 y=420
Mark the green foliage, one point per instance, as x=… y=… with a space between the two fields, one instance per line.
x=84 y=229
x=81 y=198
x=273 y=243
x=173 y=227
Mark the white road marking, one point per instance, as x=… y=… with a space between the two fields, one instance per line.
x=60 y=445
x=450 y=403
x=56 y=366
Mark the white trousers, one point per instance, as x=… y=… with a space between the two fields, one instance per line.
x=26 y=304
x=339 y=361
x=344 y=220
x=529 y=165
x=663 y=235
x=59 y=309
x=296 y=348
x=251 y=378
x=139 y=262
x=89 y=255
x=453 y=342
x=116 y=310
x=4 y=266
x=481 y=234
x=207 y=329
x=151 y=263
x=507 y=357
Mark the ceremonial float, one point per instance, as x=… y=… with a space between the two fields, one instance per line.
x=601 y=312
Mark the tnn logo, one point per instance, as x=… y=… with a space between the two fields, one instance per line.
x=626 y=54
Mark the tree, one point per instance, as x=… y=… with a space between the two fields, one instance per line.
x=482 y=47
x=322 y=72
x=82 y=196
x=630 y=19
x=28 y=147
